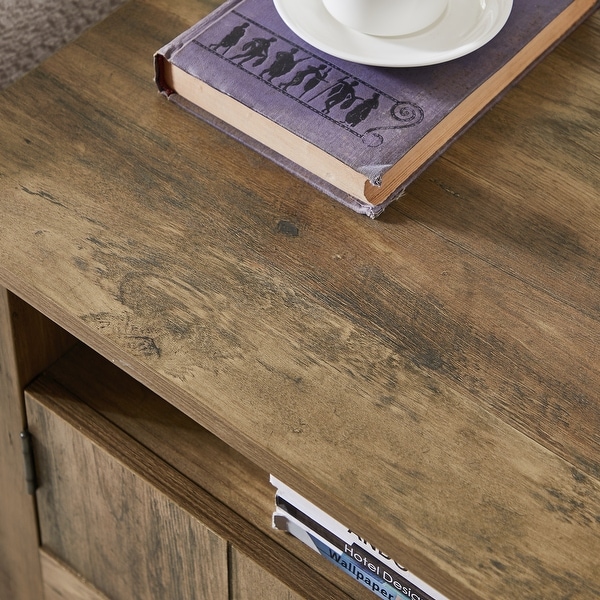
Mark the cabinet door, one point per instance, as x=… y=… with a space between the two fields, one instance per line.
x=101 y=516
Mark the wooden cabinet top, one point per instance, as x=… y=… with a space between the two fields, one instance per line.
x=431 y=377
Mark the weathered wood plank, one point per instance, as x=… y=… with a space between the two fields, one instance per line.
x=294 y=330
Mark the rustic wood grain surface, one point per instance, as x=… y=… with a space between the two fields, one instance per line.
x=430 y=377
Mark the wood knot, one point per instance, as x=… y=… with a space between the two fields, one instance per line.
x=288 y=228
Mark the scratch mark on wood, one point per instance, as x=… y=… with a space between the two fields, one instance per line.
x=44 y=195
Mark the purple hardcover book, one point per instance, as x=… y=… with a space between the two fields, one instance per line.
x=359 y=133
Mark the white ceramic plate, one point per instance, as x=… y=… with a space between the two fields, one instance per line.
x=465 y=26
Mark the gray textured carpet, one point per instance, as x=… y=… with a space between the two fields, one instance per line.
x=31 y=30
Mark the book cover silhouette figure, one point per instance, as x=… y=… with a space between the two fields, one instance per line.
x=316 y=74
x=257 y=50
x=341 y=93
x=284 y=63
x=361 y=111
x=231 y=39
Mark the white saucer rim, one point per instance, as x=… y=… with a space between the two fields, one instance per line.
x=462 y=49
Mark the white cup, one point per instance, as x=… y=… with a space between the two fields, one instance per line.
x=386 y=17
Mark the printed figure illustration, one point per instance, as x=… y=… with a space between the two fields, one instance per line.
x=345 y=100
x=257 y=50
x=341 y=93
x=360 y=112
x=316 y=74
x=284 y=63
x=231 y=39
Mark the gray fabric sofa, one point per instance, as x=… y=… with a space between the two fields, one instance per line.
x=31 y=30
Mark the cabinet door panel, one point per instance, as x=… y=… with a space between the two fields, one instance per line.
x=113 y=526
